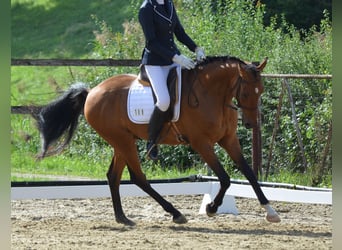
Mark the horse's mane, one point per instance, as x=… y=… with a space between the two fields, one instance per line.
x=252 y=66
x=211 y=59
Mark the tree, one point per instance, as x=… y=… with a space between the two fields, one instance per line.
x=302 y=14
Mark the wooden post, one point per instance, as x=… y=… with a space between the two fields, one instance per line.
x=319 y=169
x=275 y=128
x=295 y=122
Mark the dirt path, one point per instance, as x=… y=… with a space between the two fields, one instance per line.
x=89 y=224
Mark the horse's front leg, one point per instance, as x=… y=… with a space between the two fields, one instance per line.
x=209 y=156
x=233 y=148
x=271 y=214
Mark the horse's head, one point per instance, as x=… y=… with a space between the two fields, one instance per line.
x=249 y=89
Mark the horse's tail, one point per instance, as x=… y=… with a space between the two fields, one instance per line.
x=59 y=118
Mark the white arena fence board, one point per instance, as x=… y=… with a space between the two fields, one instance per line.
x=99 y=191
x=188 y=188
x=282 y=194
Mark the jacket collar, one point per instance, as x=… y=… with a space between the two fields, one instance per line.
x=158 y=12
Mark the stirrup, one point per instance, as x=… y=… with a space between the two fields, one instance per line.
x=152 y=151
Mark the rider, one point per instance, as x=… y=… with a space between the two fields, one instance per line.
x=159 y=22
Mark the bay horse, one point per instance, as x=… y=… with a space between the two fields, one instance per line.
x=208 y=116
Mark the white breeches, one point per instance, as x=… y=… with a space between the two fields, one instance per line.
x=158 y=78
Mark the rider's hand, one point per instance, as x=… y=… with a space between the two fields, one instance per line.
x=184 y=61
x=200 y=55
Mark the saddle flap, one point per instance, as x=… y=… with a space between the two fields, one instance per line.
x=140 y=101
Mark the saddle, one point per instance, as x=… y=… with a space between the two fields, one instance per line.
x=171 y=83
x=141 y=98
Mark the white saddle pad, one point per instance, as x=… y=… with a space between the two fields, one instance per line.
x=140 y=103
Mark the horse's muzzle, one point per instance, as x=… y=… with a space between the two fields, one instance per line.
x=248 y=125
x=248 y=122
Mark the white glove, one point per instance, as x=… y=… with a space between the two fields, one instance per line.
x=184 y=61
x=200 y=56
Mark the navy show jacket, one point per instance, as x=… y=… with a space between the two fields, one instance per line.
x=160 y=23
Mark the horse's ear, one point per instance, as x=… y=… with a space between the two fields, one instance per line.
x=262 y=65
x=242 y=71
x=245 y=71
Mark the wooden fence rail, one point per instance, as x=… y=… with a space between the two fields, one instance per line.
x=75 y=62
x=131 y=63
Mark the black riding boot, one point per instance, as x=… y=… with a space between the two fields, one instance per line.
x=156 y=124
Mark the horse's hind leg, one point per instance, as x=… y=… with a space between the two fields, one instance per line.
x=233 y=148
x=127 y=149
x=114 y=176
x=138 y=177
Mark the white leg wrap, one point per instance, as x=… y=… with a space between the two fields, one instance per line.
x=271 y=214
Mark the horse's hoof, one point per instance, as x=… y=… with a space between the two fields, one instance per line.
x=271 y=214
x=180 y=219
x=126 y=221
x=211 y=212
x=273 y=218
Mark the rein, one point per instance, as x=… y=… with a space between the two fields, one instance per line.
x=238 y=86
x=195 y=103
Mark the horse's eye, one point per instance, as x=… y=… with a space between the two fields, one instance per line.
x=245 y=95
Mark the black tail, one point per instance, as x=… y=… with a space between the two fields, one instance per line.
x=60 y=117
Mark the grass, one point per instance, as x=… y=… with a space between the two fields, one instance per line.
x=37 y=85
x=56 y=29
x=83 y=167
x=61 y=29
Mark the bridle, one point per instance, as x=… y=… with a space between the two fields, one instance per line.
x=237 y=97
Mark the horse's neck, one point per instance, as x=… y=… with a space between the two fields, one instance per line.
x=215 y=90
x=219 y=80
